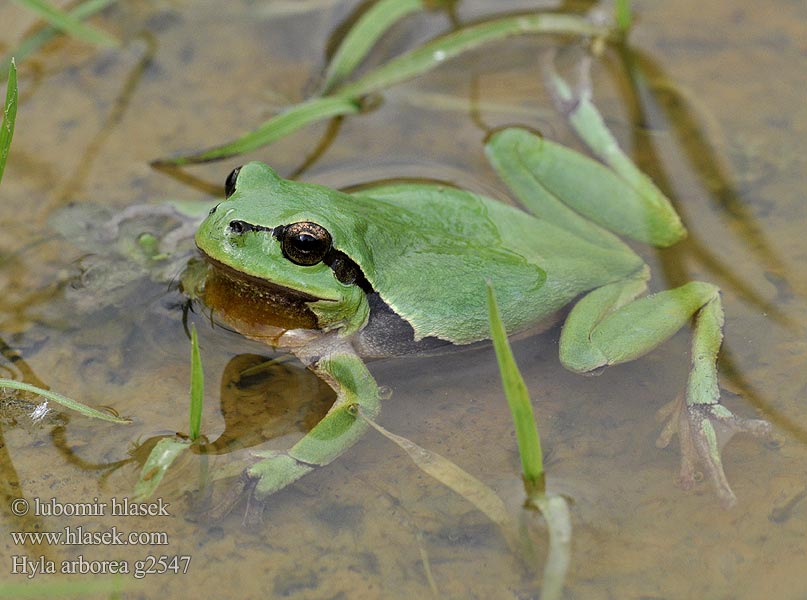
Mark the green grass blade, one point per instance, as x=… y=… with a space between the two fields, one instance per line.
x=272 y=130
x=624 y=19
x=197 y=387
x=430 y=55
x=164 y=453
x=68 y=23
x=32 y=43
x=9 y=116
x=515 y=390
x=363 y=36
x=62 y=400
x=559 y=522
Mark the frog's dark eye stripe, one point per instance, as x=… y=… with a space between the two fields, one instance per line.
x=229 y=183
x=240 y=227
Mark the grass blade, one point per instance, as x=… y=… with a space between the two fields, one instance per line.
x=272 y=130
x=363 y=36
x=624 y=19
x=68 y=23
x=197 y=387
x=9 y=116
x=458 y=480
x=62 y=400
x=553 y=508
x=32 y=43
x=162 y=456
x=430 y=55
x=515 y=390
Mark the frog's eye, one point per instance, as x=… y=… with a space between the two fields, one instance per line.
x=304 y=243
x=229 y=183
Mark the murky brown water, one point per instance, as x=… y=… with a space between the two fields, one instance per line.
x=194 y=75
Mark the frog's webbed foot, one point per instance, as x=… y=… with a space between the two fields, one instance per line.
x=244 y=488
x=703 y=430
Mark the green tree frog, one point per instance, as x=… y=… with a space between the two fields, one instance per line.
x=402 y=268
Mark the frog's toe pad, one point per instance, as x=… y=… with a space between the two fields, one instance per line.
x=703 y=430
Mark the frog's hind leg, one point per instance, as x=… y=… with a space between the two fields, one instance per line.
x=610 y=326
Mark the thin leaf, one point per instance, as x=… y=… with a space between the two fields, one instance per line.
x=363 y=36
x=518 y=398
x=68 y=23
x=31 y=44
x=197 y=386
x=9 y=116
x=556 y=512
x=460 y=481
x=161 y=457
x=62 y=400
x=430 y=55
x=275 y=128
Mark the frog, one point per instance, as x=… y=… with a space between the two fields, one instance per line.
x=397 y=269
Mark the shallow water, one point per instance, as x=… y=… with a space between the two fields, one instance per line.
x=731 y=77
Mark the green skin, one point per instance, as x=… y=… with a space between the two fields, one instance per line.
x=428 y=251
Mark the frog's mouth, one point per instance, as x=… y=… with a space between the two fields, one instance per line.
x=251 y=305
x=267 y=290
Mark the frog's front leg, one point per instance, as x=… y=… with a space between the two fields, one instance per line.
x=610 y=326
x=333 y=359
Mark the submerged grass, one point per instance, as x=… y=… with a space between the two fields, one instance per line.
x=277 y=127
x=168 y=449
x=197 y=387
x=9 y=115
x=362 y=37
x=458 y=480
x=347 y=98
x=62 y=401
x=68 y=23
x=6 y=135
x=38 y=39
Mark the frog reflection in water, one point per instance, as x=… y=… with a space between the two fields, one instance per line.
x=401 y=269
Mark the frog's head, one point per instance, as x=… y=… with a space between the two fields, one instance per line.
x=287 y=240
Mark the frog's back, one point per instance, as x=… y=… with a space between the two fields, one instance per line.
x=434 y=252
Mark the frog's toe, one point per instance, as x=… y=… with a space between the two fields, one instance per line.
x=703 y=430
x=243 y=486
x=253 y=515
